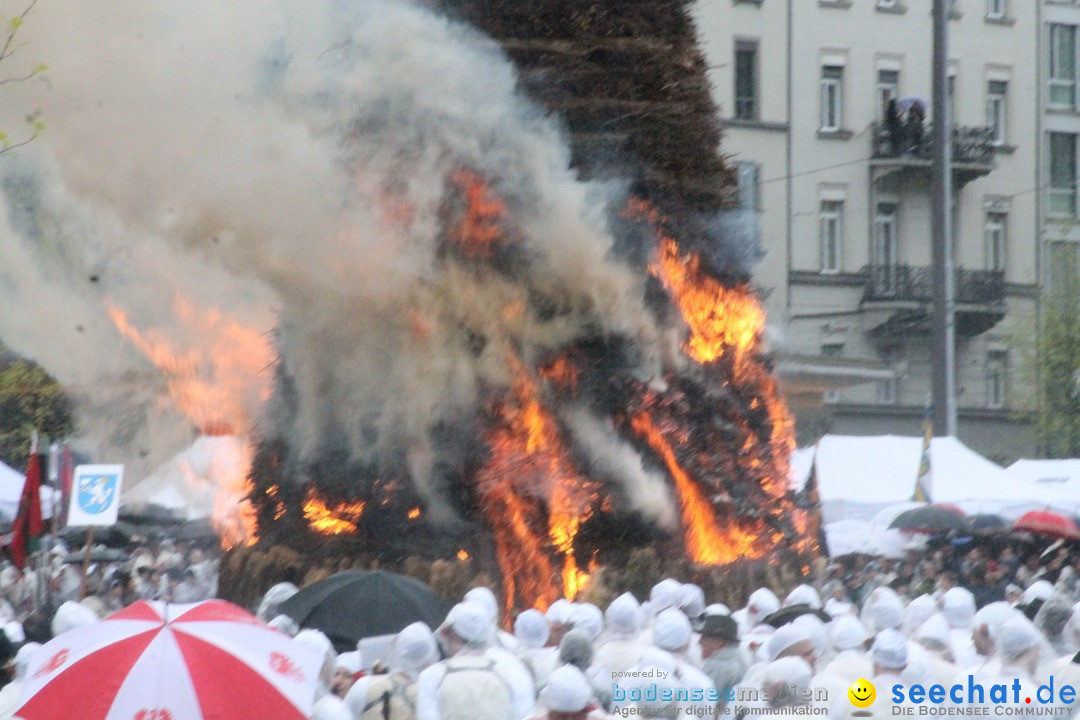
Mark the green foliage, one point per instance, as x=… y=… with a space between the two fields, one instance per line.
x=30 y=400
x=1058 y=424
x=9 y=45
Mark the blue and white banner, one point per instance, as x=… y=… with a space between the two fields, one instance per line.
x=95 y=495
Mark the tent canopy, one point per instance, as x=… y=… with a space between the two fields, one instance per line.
x=858 y=477
x=11 y=487
x=193 y=480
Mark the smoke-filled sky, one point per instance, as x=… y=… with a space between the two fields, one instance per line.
x=221 y=170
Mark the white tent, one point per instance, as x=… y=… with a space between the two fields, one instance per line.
x=1043 y=485
x=11 y=487
x=858 y=477
x=209 y=474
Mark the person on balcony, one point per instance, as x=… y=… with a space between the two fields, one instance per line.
x=914 y=128
x=894 y=126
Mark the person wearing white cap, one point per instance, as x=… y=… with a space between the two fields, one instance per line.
x=787 y=685
x=9 y=695
x=475 y=682
x=671 y=633
x=917 y=612
x=317 y=641
x=762 y=602
x=393 y=695
x=889 y=654
x=560 y=620
x=72 y=615
x=1019 y=646
x=848 y=640
x=531 y=631
x=958 y=608
x=348 y=668
x=567 y=695
x=933 y=637
x=803 y=595
x=623 y=645
x=588 y=618
x=691 y=600
x=487 y=600
x=884 y=610
x=271 y=601
x=664 y=594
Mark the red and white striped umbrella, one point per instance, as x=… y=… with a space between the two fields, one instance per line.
x=151 y=661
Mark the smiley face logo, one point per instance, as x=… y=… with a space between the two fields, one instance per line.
x=861 y=693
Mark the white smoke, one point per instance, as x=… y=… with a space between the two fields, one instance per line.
x=289 y=163
x=612 y=457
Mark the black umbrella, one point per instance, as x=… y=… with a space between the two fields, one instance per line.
x=930 y=519
x=357 y=604
x=118 y=535
x=785 y=615
x=986 y=522
x=98 y=554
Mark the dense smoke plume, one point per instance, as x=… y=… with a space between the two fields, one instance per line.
x=293 y=166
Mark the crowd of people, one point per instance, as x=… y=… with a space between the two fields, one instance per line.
x=954 y=615
x=965 y=617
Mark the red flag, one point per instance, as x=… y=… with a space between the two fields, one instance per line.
x=29 y=525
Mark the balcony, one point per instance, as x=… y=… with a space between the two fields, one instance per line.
x=972 y=154
x=897 y=300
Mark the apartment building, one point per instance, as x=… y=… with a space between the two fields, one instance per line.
x=1059 y=32
x=844 y=201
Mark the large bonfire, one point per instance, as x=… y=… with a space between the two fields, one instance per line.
x=504 y=329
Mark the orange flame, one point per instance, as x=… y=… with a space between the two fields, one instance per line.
x=528 y=458
x=727 y=322
x=215 y=386
x=462 y=554
x=562 y=372
x=481 y=227
x=414 y=513
x=722 y=319
x=340 y=519
x=705 y=542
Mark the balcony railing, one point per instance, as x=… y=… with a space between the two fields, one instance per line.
x=971 y=145
x=904 y=283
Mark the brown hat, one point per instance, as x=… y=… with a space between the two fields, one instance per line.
x=720 y=626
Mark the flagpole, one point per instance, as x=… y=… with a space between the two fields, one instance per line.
x=43 y=571
x=86 y=561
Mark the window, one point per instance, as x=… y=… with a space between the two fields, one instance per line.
x=885 y=248
x=995 y=109
x=995 y=240
x=832 y=87
x=832 y=231
x=748 y=189
x=1063 y=65
x=746 y=80
x=886 y=4
x=1063 y=276
x=1062 y=200
x=997 y=369
x=995 y=9
x=888 y=88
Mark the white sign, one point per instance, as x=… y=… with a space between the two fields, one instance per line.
x=95 y=495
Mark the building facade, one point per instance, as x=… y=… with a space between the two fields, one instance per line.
x=804 y=88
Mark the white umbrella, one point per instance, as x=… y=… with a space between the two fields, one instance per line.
x=152 y=661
